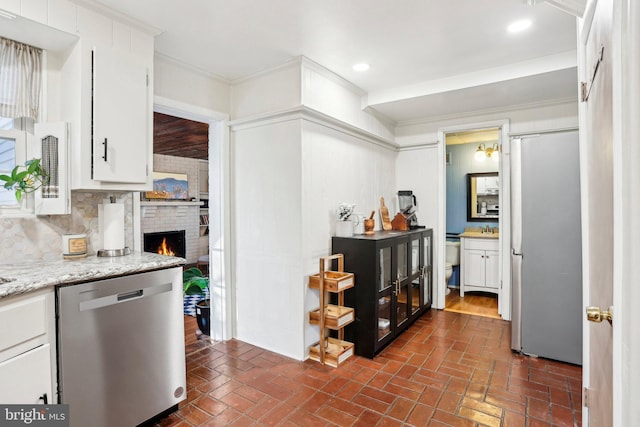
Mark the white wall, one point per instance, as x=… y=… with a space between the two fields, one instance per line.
x=336 y=168
x=328 y=93
x=289 y=177
x=525 y=120
x=417 y=170
x=275 y=90
x=189 y=86
x=267 y=221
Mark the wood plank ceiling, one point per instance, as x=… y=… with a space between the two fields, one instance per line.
x=175 y=136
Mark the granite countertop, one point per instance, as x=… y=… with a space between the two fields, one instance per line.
x=480 y=235
x=32 y=276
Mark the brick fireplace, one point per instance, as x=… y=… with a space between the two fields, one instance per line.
x=166 y=243
x=162 y=218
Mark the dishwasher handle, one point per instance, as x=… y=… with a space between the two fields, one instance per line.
x=129 y=295
x=105 y=301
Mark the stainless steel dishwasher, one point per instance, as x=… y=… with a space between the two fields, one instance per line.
x=121 y=348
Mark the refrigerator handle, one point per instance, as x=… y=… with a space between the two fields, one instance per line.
x=516 y=196
x=516 y=302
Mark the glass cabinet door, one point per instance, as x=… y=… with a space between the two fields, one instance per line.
x=402 y=288
x=416 y=262
x=428 y=270
x=402 y=261
x=384 y=275
x=415 y=245
x=385 y=282
x=384 y=316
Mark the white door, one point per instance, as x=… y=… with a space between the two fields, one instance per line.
x=597 y=183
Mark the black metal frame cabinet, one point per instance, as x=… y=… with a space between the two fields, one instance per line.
x=393 y=272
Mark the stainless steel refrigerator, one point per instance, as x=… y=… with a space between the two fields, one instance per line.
x=546 y=245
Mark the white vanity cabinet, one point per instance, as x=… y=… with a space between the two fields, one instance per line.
x=479 y=265
x=27 y=348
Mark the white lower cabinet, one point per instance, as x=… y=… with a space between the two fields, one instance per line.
x=26 y=379
x=480 y=266
x=27 y=348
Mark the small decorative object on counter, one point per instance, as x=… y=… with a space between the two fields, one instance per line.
x=358 y=223
x=369 y=224
x=74 y=246
x=399 y=222
x=345 y=210
x=344 y=226
x=384 y=214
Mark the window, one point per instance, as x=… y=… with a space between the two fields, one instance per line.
x=20 y=87
x=12 y=153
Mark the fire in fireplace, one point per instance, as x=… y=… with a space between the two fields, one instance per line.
x=166 y=243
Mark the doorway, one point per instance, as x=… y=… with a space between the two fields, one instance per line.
x=218 y=209
x=472 y=160
x=457 y=147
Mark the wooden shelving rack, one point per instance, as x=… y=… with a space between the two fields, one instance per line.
x=332 y=352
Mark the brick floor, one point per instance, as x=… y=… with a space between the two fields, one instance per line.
x=448 y=369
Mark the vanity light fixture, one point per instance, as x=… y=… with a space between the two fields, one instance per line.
x=361 y=67
x=480 y=155
x=487 y=153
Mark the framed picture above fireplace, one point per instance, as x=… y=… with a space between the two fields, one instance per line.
x=169 y=186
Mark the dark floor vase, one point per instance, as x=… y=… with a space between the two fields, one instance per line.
x=203 y=316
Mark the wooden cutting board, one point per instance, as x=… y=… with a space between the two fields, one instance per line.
x=384 y=213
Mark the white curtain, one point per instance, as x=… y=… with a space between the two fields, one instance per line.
x=20 y=79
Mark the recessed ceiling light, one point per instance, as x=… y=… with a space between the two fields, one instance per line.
x=361 y=67
x=518 y=26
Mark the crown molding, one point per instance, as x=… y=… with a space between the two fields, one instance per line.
x=192 y=68
x=119 y=16
x=295 y=61
x=314 y=116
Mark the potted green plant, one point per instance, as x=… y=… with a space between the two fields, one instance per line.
x=196 y=284
x=28 y=180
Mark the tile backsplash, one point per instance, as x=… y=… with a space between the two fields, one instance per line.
x=34 y=238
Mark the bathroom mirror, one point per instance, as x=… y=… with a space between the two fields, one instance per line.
x=483 y=197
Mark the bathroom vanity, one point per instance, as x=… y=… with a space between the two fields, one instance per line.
x=479 y=262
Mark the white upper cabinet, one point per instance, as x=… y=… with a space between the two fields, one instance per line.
x=100 y=81
x=107 y=82
x=120 y=117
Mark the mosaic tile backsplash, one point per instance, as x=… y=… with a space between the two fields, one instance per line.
x=36 y=238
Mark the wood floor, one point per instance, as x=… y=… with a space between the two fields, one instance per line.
x=475 y=303
x=447 y=369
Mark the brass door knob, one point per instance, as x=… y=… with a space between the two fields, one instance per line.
x=596 y=314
